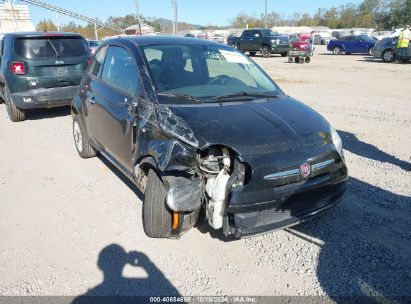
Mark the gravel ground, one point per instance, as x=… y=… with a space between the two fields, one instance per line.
x=72 y=227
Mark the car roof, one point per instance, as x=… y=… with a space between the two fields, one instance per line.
x=41 y=34
x=154 y=40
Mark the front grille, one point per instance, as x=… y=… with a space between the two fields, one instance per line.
x=296 y=206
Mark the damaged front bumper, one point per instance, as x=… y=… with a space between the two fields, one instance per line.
x=263 y=206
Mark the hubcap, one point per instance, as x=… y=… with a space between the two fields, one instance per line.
x=264 y=52
x=78 y=138
x=388 y=56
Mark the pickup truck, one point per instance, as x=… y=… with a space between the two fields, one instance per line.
x=265 y=41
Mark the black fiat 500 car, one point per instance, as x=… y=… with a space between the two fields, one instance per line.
x=40 y=70
x=204 y=132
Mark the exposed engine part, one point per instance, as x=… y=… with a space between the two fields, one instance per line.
x=211 y=163
x=216 y=189
x=184 y=194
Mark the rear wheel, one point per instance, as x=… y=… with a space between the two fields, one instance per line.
x=337 y=50
x=15 y=114
x=81 y=140
x=284 y=54
x=265 y=51
x=388 y=56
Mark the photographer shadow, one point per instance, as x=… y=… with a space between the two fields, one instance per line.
x=116 y=288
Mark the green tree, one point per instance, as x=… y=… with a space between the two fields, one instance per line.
x=46 y=25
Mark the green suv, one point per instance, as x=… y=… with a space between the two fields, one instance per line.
x=40 y=70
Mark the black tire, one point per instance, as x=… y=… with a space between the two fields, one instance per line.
x=337 y=50
x=284 y=54
x=15 y=114
x=297 y=59
x=265 y=51
x=307 y=59
x=157 y=217
x=81 y=139
x=388 y=56
x=252 y=53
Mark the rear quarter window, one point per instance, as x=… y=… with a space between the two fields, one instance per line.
x=50 y=47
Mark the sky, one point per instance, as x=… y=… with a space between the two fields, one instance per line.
x=204 y=12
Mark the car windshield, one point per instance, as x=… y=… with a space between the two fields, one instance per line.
x=50 y=47
x=266 y=33
x=205 y=72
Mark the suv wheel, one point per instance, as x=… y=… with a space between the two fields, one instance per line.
x=15 y=114
x=388 y=55
x=84 y=149
x=265 y=51
x=337 y=50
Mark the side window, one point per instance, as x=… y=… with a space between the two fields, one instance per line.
x=356 y=39
x=97 y=63
x=120 y=70
x=248 y=33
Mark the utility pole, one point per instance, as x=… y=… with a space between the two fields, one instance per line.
x=175 y=18
x=138 y=15
x=57 y=22
x=95 y=31
x=266 y=15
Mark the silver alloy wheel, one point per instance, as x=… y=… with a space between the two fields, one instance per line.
x=78 y=137
x=337 y=50
x=388 y=56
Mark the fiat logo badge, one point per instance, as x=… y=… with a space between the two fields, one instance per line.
x=305 y=169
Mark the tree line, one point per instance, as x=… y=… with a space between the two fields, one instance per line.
x=378 y=14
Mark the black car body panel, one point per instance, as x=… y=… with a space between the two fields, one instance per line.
x=50 y=79
x=270 y=137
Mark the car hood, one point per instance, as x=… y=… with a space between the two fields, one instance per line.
x=250 y=128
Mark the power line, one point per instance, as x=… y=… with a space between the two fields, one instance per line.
x=96 y=22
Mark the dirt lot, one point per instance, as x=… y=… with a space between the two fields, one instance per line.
x=72 y=227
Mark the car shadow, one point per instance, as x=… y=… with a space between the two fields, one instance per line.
x=45 y=113
x=356 y=146
x=365 y=246
x=116 y=288
x=205 y=228
x=122 y=177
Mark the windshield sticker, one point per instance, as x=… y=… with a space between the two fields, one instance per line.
x=234 y=57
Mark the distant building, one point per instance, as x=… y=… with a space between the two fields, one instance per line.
x=145 y=30
x=15 y=18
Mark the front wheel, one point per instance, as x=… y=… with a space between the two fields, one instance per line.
x=265 y=51
x=284 y=54
x=370 y=51
x=337 y=50
x=81 y=140
x=388 y=56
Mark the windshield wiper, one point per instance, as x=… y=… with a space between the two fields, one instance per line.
x=54 y=49
x=242 y=94
x=187 y=97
